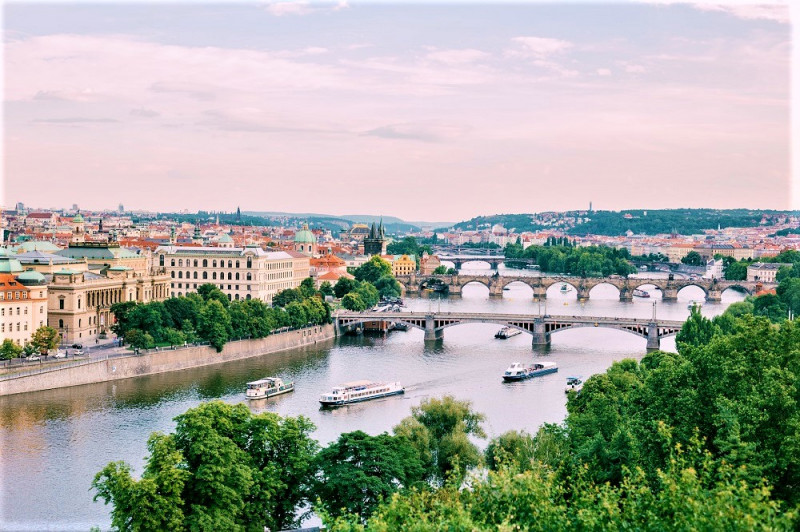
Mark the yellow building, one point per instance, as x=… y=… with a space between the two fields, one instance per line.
x=401 y=264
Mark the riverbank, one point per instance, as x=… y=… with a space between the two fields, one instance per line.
x=108 y=369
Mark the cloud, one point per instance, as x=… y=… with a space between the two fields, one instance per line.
x=773 y=12
x=301 y=8
x=75 y=120
x=538 y=47
x=147 y=113
x=86 y=95
x=421 y=132
x=188 y=89
x=603 y=72
x=457 y=57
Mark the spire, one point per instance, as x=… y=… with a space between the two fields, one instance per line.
x=380 y=227
x=372 y=231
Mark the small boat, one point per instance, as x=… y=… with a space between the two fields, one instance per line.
x=695 y=303
x=640 y=293
x=398 y=326
x=506 y=288
x=518 y=372
x=507 y=332
x=574 y=384
x=565 y=288
x=267 y=387
x=355 y=392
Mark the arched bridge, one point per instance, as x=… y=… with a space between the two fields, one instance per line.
x=539 y=327
x=712 y=288
x=494 y=261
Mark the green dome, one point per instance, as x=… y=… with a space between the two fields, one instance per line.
x=78 y=218
x=225 y=238
x=31 y=277
x=9 y=265
x=304 y=236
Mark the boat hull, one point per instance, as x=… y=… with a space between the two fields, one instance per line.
x=272 y=393
x=329 y=404
x=537 y=373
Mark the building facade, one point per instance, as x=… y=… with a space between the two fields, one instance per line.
x=764 y=272
x=375 y=242
x=241 y=273
x=23 y=305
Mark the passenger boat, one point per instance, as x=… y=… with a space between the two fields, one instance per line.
x=565 y=288
x=507 y=332
x=355 y=392
x=399 y=326
x=267 y=387
x=518 y=372
x=640 y=293
x=574 y=384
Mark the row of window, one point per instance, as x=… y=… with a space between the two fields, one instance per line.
x=14 y=294
x=213 y=275
x=25 y=309
x=196 y=263
x=11 y=327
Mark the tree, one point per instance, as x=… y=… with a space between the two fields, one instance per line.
x=298 y=317
x=307 y=288
x=284 y=297
x=344 y=286
x=771 y=306
x=441 y=269
x=353 y=301
x=736 y=271
x=45 y=338
x=215 y=324
x=388 y=286
x=174 y=337
x=373 y=269
x=693 y=258
x=120 y=311
x=10 y=349
x=209 y=291
x=368 y=294
x=326 y=289
x=697 y=330
x=139 y=339
x=513 y=449
x=439 y=429
x=358 y=471
x=222 y=469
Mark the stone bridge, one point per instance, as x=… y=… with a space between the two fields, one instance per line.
x=493 y=260
x=713 y=288
x=539 y=327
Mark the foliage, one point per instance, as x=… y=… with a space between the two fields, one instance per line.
x=284 y=297
x=120 y=312
x=737 y=271
x=387 y=286
x=440 y=270
x=592 y=261
x=215 y=324
x=373 y=269
x=358 y=471
x=439 y=429
x=693 y=258
x=408 y=246
x=344 y=286
x=45 y=338
x=222 y=469
x=209 y=291
x=9 y=349
x=139 y=339
x=326 y=289
x=353 y=301
x=697 y=330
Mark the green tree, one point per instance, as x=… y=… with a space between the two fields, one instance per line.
x=388 y=287
x=174 y=337
x=770 y=306
x=209 y=291
x=215 y=324
x=344 y=286
x=353 y=301
x=358 y=471
x=308 y=288
x=181 y=309
x=693 y=258
x=736 y=271
x=441 y=270
x=697 y=330
x=326 y=289
x=440 y=429
x=373 y=269
x=120 y=311
x=45 y=338
x=284 y=297
x=368 y=294
x=139 y=339
x=10 y=349
x=298 y=317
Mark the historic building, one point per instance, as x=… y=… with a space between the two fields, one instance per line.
x=23 y=301
x=375 y=242
x=305 y=242
x=401 y=264
x=428 y=263
x=765 y=272
x=241 y=273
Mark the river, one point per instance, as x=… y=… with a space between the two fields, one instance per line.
x=53 y=442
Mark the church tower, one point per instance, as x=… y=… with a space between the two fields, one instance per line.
x=375 y=242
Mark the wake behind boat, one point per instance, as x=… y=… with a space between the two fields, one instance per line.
x=517 y=371
x=355 y=392
x=267 y=387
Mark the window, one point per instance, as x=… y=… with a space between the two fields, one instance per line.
x=249 y=262
x=26 y=310
x=205 y=275
x=180 y=262
x=180 y=275
x=173 y=274
x=249 y=276
x=161 y=260
x=214 y=263
x=195 y=275
x=230 y=264
x=213 y=275
x=195 y=263
x=79 y=302
x=229 y=276
x=237 y=264
x=172 y=262
x=205 y=263
x=237 y=276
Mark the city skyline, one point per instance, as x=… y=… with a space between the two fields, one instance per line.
x=406 y=110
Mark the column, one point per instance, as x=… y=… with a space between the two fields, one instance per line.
x=430 y=329
x=653 y=341
x=541 y=338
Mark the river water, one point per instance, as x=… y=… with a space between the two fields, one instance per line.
x=53 y=442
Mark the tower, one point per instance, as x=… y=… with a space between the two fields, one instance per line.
x=375 y=243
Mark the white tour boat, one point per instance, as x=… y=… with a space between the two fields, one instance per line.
x=574 y=384
x=507 y=332
x=355 y=392
x=267 y=387
x=518 y=372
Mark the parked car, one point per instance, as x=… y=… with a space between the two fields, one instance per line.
x=77 y=346
x=60 y=354
x=78 y=353
x=33 y=358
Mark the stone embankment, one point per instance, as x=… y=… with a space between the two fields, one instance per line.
x=163 y=361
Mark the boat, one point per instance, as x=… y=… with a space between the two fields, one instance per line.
x=695 y=303
x=399 y=326
x=574 y=384
x=507 y=332
x=517 y=371
x=357 y=391
x=640 y=293
x=565 y=288
x=267 y=387
x=506 y=288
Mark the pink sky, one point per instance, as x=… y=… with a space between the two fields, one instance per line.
x=408 y=111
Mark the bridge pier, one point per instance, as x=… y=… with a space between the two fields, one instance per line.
x=539 y=293
x=669 y=294
x=714 y=296
x=583 y=293
x=541 y=336
x=431 y=333
x=625 y=294
x=454 y=288
x=653 y=340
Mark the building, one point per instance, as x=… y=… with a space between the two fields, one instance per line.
x=401 y=264
x=23 y=301
x=428 y=263
x=328 y=268
x=305 y=242
x=765 y=272
x=375 y=242
x=241 y=273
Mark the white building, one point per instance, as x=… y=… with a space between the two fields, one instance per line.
x=241 y=273
x=764 y=272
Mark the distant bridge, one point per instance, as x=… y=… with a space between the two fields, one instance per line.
x=539 y=327
x=493 y=260
x=712 y=288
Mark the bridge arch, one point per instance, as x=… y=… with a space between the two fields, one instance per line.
x=690 y=284
x=506 y=281
x=464 y=263
x=604 y=285
x=555 y=287
x=739 y=288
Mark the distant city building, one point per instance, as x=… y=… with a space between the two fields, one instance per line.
x=241 y=273
x=428 y=263
x=765 y=272
x=305 y=242
x=402 y=264
x=375 y=242
x=23 y=301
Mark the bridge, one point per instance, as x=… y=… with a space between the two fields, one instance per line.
x=493 y=260
x=713 y=288
x=538 y=326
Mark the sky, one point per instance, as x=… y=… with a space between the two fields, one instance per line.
x=418 y=110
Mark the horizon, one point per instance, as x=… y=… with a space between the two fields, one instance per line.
x=329 y=108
